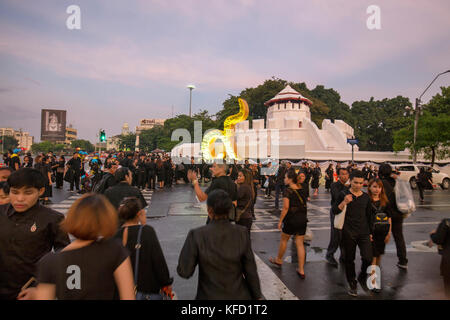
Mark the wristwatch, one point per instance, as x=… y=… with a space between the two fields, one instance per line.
x=194 y=182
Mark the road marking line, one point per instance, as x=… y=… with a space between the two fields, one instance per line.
x=271 y=286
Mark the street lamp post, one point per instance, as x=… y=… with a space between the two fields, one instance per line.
x=417 y=114
x=190 y=87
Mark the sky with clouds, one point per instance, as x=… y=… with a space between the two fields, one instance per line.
x=133 y=59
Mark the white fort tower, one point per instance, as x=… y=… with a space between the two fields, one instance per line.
x=289 y=133
x=289 y=125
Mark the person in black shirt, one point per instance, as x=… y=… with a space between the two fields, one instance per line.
x=381 y=217
x=304 y=188
x=151 y=173
x=141 y=172
x=28 y=231
x=245 y=199
x=14 y=162
x=153 y=274
x=316 y=174
x=423 y=182
x=123 y=188
x=293 y=221
x=357 y=229
x=74 y=164
x=61 y=164
x=441 y=236
x=329 y=177
x=223 y=253
x=220 y=181
x=279 y=183
x=27 y=162
x=388 y=179
x=94 y=264
x=233 y=171
x=335 y=234
x=42 y=164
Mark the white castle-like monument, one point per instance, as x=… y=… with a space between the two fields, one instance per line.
x=290 y=133
x=290 y=129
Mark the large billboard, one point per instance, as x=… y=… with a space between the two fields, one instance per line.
x=53 y=125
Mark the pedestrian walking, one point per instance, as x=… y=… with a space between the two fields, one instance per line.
x=151 y=273
x=94 y=264
x=382 y=225
x=357 y=229
x=61 y=165
x=388 y=178
x=245 y=199
x=226 y=274
x=329 y=174
x=316 y=175
x=441 y=237
x=293 y=221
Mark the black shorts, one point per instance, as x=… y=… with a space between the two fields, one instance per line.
x=294 y=225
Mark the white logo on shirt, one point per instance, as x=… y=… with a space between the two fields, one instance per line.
x=74 y=280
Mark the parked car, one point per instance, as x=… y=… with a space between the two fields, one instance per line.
x=410 y=172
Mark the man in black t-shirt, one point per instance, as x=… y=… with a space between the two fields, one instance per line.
x=335 y=234
x=74 y=164
x=220 y=181
x=28 y=231
x=357 y=229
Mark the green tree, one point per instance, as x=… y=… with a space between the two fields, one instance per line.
x=323 y=101
x=84 y=145
x=375 y=122
x=433 y=133
x=160 y=136
x=127 y=141
x=47 y=146
x=9 y=143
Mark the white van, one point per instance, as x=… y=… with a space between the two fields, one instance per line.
x=410 y=172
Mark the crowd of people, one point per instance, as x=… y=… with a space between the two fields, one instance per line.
x=114 y=254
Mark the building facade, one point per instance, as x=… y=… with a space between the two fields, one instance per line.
x=289 y=133
x=23 y=137
x=146 y=124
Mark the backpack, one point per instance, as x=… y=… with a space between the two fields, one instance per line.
x=100 y=187
x=380 y=221
x=404 y=197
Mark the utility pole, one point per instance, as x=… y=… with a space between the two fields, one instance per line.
x=417 y=114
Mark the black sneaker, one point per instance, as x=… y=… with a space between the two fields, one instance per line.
x=352 y=291
x=402 y=266
x=362 y=279
x=332 y=261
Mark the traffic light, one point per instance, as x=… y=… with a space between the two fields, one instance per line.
x=102 y=136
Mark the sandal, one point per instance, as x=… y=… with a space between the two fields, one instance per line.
x=272 y=261
x=301 y=275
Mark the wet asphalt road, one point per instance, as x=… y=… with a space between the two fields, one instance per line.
x=174 y=212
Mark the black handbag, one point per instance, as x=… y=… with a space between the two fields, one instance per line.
x=69 y=175
x=141 y=295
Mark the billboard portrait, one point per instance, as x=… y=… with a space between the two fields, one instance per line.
x=53 y=125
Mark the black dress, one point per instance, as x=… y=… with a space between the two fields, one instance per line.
x=316 y=174
x=329 y=178
x=379 y=234
x=295 y=221
x=45 y=169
